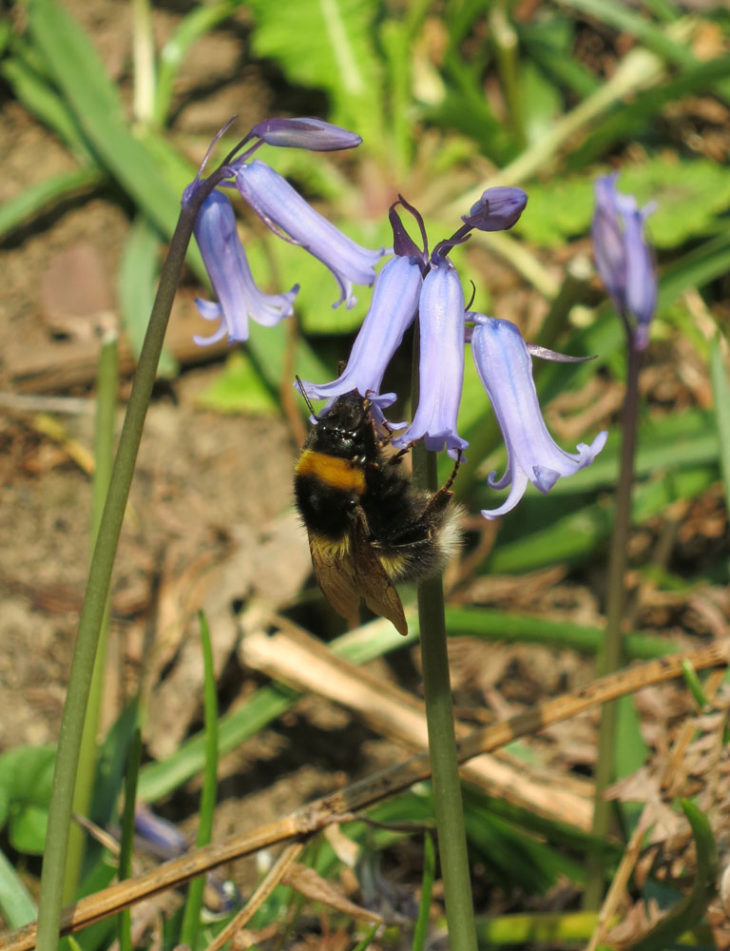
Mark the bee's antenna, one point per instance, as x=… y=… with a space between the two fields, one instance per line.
x=300 y=387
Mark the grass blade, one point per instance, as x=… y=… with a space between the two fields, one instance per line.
x=721 y=394
x=127 y=839
x=194 y=903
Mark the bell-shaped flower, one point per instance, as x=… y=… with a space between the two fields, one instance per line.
x=305 y=132
x=225 y=261
x=284 y=210
x=441 y=362
x=392 y=309
x=623 y=256
x=498 y=209
x=504 y=366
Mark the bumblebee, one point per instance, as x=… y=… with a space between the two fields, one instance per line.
x=368 y=525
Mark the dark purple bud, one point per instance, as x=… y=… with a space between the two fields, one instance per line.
x=305 y=133
x=497 y=210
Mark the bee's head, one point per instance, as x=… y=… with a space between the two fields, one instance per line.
x=346 y=429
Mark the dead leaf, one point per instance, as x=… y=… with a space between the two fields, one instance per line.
x=312 y=886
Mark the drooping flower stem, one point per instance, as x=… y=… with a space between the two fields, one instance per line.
x=611 y=656
x=97 y=587
x=445 y=780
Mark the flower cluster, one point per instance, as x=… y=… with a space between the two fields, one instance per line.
x=283 y=210
x=623 y=257
x=412 y=285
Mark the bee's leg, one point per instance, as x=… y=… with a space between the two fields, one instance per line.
x=450 y=481
x=439 y=500
x=396 y=459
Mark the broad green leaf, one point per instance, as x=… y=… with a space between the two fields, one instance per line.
x=238 y=389
x=136 y=287
x=16 y=904
x=577 y=534
x=327 y=44
x=549 y=44
x=689 y=195
x=542 y=103
x=26 y=775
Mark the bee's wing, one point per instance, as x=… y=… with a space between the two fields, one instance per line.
x=335 y=574
x=373 y=583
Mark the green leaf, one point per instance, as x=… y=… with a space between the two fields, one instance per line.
x=689 y=911
x=136 y=287
x=43 y=101
x=542 y=103
x=194 y=903
x=492 y=625
x=721 y=399
x=420 y=932
x=93 y=98
x=159 y=779
x=653 y=36
x=328 y=44
x=43 y=196
x=689 y=196
x=26 y=776
x=16 y=904
x=578 y=533
x=239 y=389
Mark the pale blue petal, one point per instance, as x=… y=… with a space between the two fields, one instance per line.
x=504 y=366
x=392 y=309
x=226 y=263
x=284 y=210
x=441 y=362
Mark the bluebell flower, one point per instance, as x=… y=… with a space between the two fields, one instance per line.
x=392 y=309
x=284 y=210
x=225 y=261
x=504 y=365
x=623 y=256
x=316 y=135
x=441 y=361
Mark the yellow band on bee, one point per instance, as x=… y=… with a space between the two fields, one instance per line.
x=332 y=470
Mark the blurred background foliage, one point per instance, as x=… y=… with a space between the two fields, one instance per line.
x=450 y=98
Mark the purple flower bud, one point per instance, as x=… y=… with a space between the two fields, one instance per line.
x=623 y=256
x=225 y=261
x=497 y=210
x=505 y=368
x=305 y=133
x=441 y=362
x=283 y=209
x=392 y=309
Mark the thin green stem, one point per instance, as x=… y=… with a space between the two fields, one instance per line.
x=445 y=780
x=106 y=402
x=97 y=587
x=611 y=656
